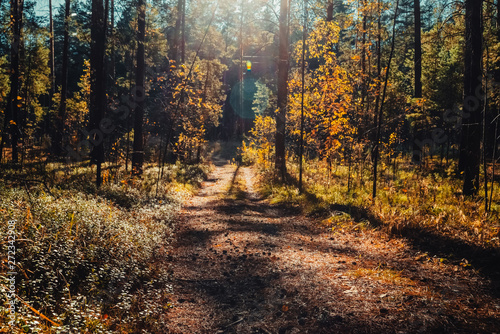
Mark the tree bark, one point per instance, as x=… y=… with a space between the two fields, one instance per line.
x=329 y=11
x=303 y=71
x=51 y=55
x=364 y=77
x=183 y=32
x=417 y=60
x=11 y=121
x=178 y=50
x=177 y=33
x=97 y=84
x=417 y=89
x=138 y=154
x=112 y=37
x=280 y=163
x=470 y=146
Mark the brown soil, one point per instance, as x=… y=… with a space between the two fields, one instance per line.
x=241 y=265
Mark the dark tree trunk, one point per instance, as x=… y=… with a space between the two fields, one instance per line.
x=177 y=30
x=417 y=60
x=97 y=84
x=112 y=38
x=178 y=52
x=470 y=146
x=372 y=135
x=183 y=32
x=11 y=120
x=51 y=55
x=138 y=154
x=417 y=67
x=496 y=78
x=329 y=11
x=106 y=16
x=280 y=163
x=363 y=58
x=497 y=71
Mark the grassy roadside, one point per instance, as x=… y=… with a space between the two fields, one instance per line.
x=424 y=208
x=91 y=261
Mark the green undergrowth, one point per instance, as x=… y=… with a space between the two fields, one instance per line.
x=91 y=260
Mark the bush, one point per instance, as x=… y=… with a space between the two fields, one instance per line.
x=95 y=261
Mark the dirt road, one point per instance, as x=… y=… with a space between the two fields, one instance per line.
x=241 y=265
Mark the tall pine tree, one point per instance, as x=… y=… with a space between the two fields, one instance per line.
x=470 y=147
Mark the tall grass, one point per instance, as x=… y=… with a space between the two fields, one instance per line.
x=408 y=198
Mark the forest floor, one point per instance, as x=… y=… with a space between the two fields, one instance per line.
x=242 y=265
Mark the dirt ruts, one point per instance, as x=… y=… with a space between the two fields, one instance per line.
x=241 y=265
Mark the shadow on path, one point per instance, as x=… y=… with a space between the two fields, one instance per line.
x=245 y=266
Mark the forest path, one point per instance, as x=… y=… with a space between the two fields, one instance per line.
x=241 y=265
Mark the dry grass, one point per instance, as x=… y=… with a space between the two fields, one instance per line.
x=407 y=200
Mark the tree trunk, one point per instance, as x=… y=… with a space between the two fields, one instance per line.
x=11 y=120
x=373 y=135
x=177 y=33
x=112 y=38
x=178 y=50
x=280 y=163
x=417 y=67
x=138 y=154
x=485 y=133
x=417 y=60
x=303 y=70
x=51 y=56
x=470 y=150
x=496 y=78
x=329 y=11
x=97 y=84
x=363 y=57
x=183 y=32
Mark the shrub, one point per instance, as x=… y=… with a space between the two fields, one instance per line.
x=94 y=261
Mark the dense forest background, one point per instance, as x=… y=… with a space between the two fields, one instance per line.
x=375 y=81
x=391 y=106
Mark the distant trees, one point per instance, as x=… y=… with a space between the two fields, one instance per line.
x=172 y=66
x=393 y=108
